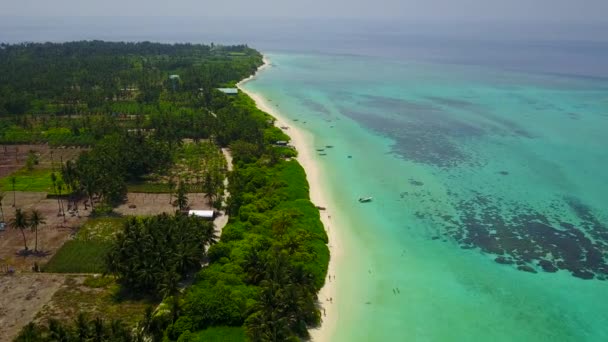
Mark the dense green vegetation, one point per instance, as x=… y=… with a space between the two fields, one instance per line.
x=263 y=276
x=272 y=257
x=104 y=170
x=152 y=254
x=218 y=334
x=82 y=329
x=73 y=78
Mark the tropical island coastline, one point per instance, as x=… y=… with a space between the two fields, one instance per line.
x=302 y=141
x=129 y=145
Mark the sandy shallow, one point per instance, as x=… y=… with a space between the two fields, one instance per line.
x=302 y=141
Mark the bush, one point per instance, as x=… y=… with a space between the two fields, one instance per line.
x=177 y=330
x=221 y=334
x=216 y=305
x=218 y=251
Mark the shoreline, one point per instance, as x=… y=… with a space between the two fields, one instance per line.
x=302 y=141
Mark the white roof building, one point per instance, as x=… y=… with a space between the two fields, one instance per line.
x=208 y=214
x=229 y=91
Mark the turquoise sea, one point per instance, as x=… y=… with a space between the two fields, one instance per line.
x=489 y=219
x=485 y=160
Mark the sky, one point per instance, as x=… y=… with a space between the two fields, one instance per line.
x=553 y=11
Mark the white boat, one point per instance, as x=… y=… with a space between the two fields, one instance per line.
x=365 y=199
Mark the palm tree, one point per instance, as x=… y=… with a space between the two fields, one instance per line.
x=57 y=332
x=169 y=284
x=81 y=325
x=20 y=222
x=13 y=182
x=175 y=306
x=181 y=198
x=146 y=323
x=30 y=332
x=36 y=219
x=54 y=182
x=269 y=322
x=171 y=184
x=1 y=210
x=60 y=187
x=98 y=330
x=209 y=187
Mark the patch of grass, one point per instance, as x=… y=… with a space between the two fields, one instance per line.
x=100 y=229
x=221 y=334
x=79 y=256
x=153 y=188
x=98 y=282
x=37 y=180
x=86 y=253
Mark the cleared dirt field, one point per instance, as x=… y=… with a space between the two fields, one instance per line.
x=22 y=296
x=51 y=235
x=154 y=204
x=13 y=157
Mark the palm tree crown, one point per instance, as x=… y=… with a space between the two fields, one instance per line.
x=20 y=221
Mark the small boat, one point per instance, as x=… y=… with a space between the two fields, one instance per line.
x=329 y=146
x=320 y=149
x=322 y=154
x=321 y=208
x=365 y=199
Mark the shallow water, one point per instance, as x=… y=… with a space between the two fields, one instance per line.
x=479 y=177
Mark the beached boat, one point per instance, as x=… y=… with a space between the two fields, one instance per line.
x=365 y=199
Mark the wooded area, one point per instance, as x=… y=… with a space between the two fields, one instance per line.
x=133 y=106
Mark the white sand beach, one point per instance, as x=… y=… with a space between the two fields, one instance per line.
x=303 y=143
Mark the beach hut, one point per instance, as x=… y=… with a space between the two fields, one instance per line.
x=229 y=91
x=204 y=214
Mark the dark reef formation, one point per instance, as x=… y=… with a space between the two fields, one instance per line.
x=532 y=241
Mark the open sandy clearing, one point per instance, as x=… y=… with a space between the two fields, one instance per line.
x=22 y=296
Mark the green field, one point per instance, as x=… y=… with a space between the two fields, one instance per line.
x=34 y=181
x=154 y=188
x=79 y=257
x=87 y=251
